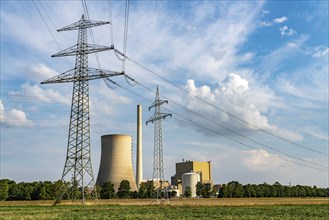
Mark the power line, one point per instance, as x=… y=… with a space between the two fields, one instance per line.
x=125 y=35
x=85 y=8
x=109 y=4
x=46 y=23
x=313 y=166
x=222 y=110
x=166 y=80
x=234 y=116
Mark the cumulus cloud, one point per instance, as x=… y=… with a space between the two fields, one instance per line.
x=230 y=99
x=13 y=117
x=274 y=21
x=40 y=72
x=261 y=159
x=286 y=31
x=36 y=92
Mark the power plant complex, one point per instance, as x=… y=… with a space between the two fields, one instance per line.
x=116 y=165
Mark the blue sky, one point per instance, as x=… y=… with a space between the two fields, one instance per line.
x=247 y=84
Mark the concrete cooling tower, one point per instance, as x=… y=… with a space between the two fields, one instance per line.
x=116 y=160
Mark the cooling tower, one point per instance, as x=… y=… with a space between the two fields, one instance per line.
x=116 y=160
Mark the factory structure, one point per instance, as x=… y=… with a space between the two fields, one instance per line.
x=116 y=161
x=189 y=173
x=116 y=165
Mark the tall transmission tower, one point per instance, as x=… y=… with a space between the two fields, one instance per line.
x=78 y=167
x=158 y=168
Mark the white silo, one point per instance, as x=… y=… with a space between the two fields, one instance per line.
x=116 y=160
x=190 y=179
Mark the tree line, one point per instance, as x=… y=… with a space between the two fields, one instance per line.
x=235 y=189
x=48 y=190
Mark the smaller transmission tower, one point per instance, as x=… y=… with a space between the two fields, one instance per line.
x=158 y=168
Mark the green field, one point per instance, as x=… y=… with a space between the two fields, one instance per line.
x=111 y=211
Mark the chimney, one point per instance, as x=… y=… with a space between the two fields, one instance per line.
x=139 y=161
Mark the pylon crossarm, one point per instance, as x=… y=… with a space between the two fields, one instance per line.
x=158 y=103
x=99 y=73
x=159 y=116
x=70 y=76
x=76 y=50
x=83 y=24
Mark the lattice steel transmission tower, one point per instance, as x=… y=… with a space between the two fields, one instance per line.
x=78 y=165
x=158 y=168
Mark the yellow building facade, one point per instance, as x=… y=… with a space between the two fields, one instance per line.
x=202 y=168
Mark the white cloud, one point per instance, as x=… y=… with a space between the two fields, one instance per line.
x=261 y=159
x=36 y=92
x=274 y=21
x=265 y=12
x=318 y=51
x=40 y=72
x=234 y=97
x=286 y=31
x=280 y=20
x=13 y=117
x=315 y=132
x=222 y=35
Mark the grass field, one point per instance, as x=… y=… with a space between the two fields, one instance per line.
x=282 y=208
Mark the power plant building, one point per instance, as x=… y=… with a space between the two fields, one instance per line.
x=116 y=160
x=201 y=168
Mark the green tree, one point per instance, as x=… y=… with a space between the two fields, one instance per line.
x=279 y=189
x=206 y=192
x=55 y=189
x=22 y=191
x=199 y=189
x=142 y=191
x=150 y=188
x=235 y=189
x=4 y=189
x=249 y=191
x=107 y=190
x=124 y=189
x=223 y=191
x=266 y=190
x=320 y=192
x=134 y=194
x=188 y=192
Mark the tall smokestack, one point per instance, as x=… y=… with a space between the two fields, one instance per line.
x=139 y=164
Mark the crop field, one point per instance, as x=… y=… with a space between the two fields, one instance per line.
x=177 y=209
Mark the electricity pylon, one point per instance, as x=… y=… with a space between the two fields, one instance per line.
x=78 y=158
x=158 y=168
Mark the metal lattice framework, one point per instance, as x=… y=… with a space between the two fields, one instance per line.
x=78 y=166
x=158 y=166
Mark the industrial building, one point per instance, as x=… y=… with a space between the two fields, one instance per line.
x=201 y=168
x=116 y=160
